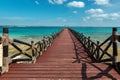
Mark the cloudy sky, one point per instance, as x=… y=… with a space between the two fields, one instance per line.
x=60 y=12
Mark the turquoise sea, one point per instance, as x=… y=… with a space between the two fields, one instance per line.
x=36 y=33
x=28 y=34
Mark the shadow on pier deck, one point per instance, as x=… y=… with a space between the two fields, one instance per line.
x=59 y=62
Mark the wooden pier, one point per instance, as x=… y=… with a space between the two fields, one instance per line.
x=65 y=59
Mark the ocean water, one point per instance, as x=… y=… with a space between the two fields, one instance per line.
x=28 y=34
x=96 y=33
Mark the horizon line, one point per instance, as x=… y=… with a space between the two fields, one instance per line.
x=52 y=26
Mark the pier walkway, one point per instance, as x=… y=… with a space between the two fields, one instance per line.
x=59 y=62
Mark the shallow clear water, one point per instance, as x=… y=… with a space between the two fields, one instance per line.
x=30 y=33
x=36 y=33
x=96 y=33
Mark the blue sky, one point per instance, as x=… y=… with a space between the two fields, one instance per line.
x=60 y=12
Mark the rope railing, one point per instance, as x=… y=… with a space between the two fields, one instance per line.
x=96 y=51
x=29 y=53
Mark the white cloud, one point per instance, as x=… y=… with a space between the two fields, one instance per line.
x=102 y=16
x=57 y=1
x=114 y=16
x=102 y=2
x=86 y=18
x=77 y=4
x=37 y=2
x=75 y=12
x=62 y=19
x=99 y=14
x=90 y=0
x=107 y=16
x=50 y=1
x=95 y=11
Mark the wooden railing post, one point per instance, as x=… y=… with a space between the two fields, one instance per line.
x=89 y=42
x=5 y=43
x=98 y=51
x=44 y=43
x=114 y=40
x=47 y=41
x=41 y=47
x=82 y=38
x=1 y=55
x=85 y=41
x=33 y=52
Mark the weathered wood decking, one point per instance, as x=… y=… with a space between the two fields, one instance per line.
x=56 y=64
